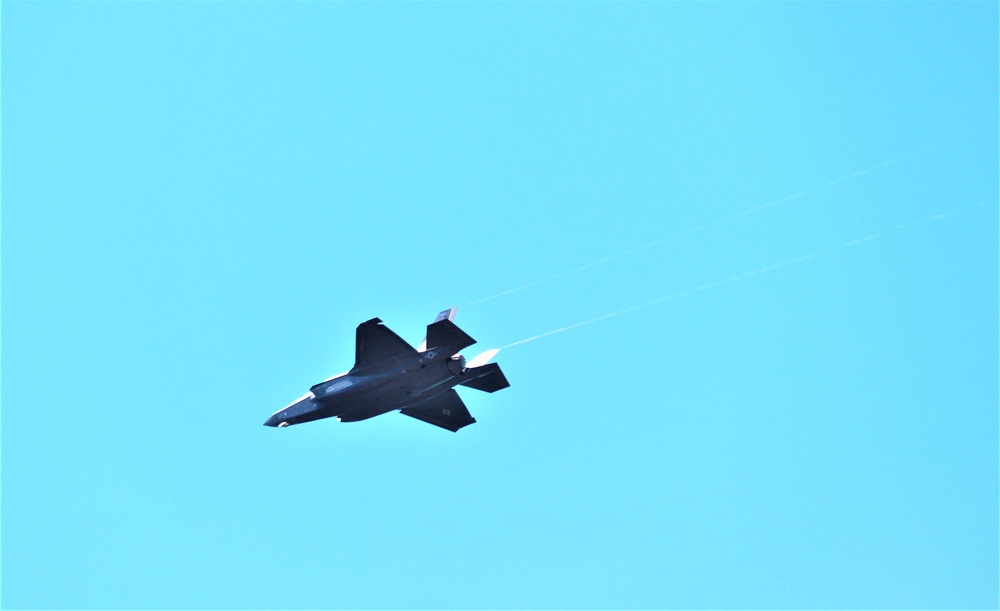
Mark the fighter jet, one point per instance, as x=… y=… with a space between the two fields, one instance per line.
x=389 y=374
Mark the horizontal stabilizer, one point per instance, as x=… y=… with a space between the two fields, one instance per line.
x=446 y=411
x=488 y=378
x=448 y=314
x=445 y=336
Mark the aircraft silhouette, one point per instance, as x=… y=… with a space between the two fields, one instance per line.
x=389 y=374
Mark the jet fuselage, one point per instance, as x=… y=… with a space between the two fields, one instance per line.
x=358 y=395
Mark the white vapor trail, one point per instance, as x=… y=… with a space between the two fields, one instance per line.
x=697 y=228
x=738 y=277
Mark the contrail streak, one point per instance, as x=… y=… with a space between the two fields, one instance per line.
x=738 y=277
x=697 y=228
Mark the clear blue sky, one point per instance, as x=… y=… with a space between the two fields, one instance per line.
x=202 y=200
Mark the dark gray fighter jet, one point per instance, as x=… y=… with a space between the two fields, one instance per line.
x=389 y=374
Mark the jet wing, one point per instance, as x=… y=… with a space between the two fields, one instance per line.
x=376 y=344
x=446 y=411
